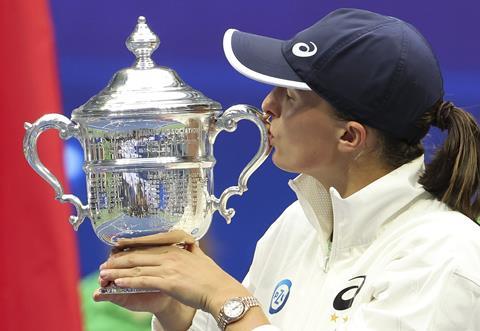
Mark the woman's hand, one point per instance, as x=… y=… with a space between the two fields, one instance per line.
x=172 y=314
x=184 y=275
x=156 y=303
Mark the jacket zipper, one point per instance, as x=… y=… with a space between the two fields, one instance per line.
x=327 y=257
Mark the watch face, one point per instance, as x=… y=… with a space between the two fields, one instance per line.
x=233 y=308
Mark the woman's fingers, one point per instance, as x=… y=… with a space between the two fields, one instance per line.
x=141 y=250
x=103 y=282
x=167 y=238
x=145 y=282
x=151 y=256
x=113 y=274
x=131 y=260
x=98 y=296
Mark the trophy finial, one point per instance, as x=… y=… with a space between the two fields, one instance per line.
x=143 y=42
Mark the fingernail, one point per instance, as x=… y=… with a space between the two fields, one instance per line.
x=119 y=282
x=103 y=273
x=180 y=245
x=97 y=296
x=103 y=265
x=121 y=242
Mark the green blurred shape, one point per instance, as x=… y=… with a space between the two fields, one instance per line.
x=105 y=316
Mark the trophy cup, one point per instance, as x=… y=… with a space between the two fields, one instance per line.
x=148 y=146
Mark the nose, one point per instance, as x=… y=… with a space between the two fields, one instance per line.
x=271 y=104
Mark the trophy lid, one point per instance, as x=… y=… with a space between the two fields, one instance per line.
x=144 y=89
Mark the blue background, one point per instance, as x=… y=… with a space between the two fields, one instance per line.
x=90 y=39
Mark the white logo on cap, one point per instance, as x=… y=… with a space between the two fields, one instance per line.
x=303 y=49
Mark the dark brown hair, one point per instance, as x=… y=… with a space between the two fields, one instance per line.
x=453 y=175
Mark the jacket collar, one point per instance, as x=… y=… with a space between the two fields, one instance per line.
x=358 y=219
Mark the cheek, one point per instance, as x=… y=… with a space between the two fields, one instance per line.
x=304 y=147
x=311 y=136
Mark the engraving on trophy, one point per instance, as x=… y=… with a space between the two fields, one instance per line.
x=127 y=203
x=168 y=140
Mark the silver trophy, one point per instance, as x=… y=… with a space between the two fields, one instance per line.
x=148 y=145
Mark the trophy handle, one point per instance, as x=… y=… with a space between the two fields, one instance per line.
x=67 y=130
x=228 y=121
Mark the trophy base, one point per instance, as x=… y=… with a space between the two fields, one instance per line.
x=113 y=289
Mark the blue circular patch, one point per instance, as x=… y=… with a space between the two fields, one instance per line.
x=280 y=296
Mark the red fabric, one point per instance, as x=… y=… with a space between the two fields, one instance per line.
x=38 y=260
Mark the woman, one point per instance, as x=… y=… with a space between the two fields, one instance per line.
x=376 y=241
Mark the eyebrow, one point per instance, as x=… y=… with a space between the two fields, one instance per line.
x=290 y=90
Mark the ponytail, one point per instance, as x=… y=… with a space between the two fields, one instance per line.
x=453 y=176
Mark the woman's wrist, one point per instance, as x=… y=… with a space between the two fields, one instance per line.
x=254 y=316
x=178 y=318
x=218 y=300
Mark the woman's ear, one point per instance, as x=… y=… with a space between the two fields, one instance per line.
x=353 y=137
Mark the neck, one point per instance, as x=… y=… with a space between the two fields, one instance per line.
x=350 y=177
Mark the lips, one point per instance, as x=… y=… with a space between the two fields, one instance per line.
x=270 y=138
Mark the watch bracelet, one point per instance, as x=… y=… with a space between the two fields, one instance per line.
x=249 y=302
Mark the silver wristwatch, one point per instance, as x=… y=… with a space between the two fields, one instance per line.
x=234 y=309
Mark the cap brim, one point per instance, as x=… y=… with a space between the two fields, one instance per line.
x=261 y=59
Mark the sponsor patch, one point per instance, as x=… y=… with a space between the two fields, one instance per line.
x=280 y=296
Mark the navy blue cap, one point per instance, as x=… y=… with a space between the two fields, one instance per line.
x=376 y=68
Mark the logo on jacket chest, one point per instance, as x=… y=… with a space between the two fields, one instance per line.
x=344 y=300
x=345 y=297
x=280 y=296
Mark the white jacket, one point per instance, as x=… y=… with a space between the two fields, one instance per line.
x=399 y=260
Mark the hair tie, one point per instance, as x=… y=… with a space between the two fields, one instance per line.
x=442 y=115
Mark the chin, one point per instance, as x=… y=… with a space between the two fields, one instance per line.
x=283 y=164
